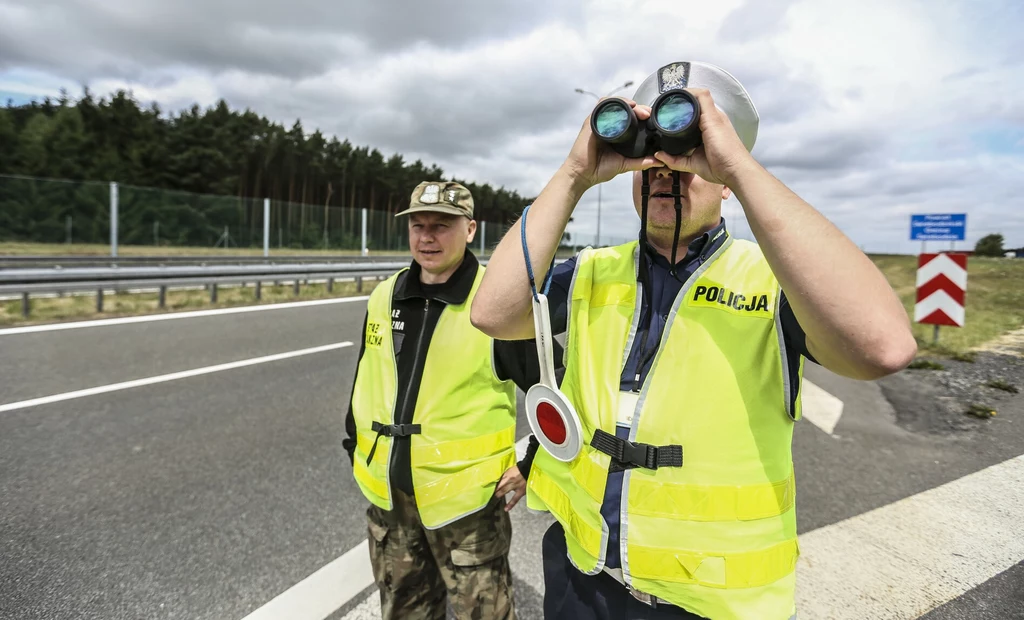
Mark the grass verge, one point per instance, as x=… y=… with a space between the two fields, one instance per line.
x=995 y=294
x=995 y=302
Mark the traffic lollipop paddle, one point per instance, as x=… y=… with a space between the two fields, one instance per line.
x=552 y=417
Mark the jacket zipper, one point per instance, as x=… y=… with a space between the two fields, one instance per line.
x=408 y=389
x=623 y=492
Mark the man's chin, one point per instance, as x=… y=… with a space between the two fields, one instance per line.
x=432 y=262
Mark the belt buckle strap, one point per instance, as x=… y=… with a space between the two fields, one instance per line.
x=390 y=430
x=395 y=430
x=627 y=454
x=639 y=454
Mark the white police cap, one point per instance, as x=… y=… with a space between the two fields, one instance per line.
x=728 y=93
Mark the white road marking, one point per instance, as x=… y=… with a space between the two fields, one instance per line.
x=323 y=592
x=909 y=557
x=898 y=561
x=821 y=408
x=334 y=585
x=103 y=389
x=173 y=316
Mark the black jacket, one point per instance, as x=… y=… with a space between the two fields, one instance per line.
x=416 y=308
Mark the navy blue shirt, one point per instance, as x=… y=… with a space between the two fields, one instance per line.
x=663 y=290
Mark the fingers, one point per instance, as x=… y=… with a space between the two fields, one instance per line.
x=703 y=96
x=520 y=493
x=695 y=162
x=708 y=110
x=504 y=485
x=511 y=480
x=641 y=163
x=675 y=162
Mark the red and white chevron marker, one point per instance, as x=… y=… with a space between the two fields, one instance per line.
x=941 y=289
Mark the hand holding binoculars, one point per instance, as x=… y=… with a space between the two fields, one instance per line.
x=673 y=127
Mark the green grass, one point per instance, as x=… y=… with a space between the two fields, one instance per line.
x=964 y=356
x=995 y=302
x=995 y=293
x=999 y=384
x=980 y=411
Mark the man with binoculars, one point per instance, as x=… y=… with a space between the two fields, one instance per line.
x=684 y=358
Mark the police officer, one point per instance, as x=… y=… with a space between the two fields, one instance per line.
x=684 y=357
x=431 y=426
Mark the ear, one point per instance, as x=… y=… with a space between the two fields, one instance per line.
x=726 y=192
x=472 y=231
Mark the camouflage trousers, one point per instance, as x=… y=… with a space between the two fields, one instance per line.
x=464 y=564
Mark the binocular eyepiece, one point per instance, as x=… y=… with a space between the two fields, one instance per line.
x=673 y=126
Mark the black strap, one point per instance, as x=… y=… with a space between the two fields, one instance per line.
x=627 y=454
x=390 y=430
x=679 y=218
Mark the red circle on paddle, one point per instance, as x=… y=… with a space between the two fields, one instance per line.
x=551 y=423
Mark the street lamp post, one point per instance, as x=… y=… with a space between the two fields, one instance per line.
x=587 y=92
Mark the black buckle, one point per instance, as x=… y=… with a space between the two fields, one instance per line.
x=390 y=430
x=627 y=454
x=638 y=454
x=395 y=430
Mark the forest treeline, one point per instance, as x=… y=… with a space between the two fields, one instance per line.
x=204 y=151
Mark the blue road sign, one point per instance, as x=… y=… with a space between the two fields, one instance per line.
x=938 y=227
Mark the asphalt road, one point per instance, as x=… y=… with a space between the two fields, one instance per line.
x=207 y=496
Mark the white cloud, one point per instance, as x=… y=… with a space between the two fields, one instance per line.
x=869 y=110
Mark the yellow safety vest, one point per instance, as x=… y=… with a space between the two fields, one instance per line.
x=716 y=536
x=466 y=415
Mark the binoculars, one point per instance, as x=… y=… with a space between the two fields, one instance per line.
x=673 y=126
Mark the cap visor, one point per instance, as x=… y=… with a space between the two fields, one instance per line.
x=434 y=208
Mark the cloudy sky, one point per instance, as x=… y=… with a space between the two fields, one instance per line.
x=871 y=110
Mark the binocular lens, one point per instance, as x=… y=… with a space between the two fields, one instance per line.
x=611 y=120
x=674 y=113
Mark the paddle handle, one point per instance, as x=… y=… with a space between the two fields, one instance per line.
x=545 y=346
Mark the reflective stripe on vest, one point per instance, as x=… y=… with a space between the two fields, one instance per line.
x=467 y=416
x=717 y=535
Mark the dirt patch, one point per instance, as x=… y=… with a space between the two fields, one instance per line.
x=949 y=401
x=1011 y=344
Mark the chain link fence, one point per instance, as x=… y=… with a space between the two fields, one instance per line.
x=49 y=211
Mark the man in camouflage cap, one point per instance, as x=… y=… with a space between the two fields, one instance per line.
x=431 y=425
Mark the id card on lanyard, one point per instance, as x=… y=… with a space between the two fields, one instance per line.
x=627 y=407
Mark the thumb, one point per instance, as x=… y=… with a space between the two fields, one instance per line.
x=629 y=164
x=683 y=163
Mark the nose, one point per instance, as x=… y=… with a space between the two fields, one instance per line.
x=666 y=173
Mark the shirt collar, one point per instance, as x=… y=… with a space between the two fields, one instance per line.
x=453 y=291
x=702 y=247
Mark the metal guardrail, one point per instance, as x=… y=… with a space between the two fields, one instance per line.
x=22 y=262
x=59 y=280
x=26 y=282
x=56 y=277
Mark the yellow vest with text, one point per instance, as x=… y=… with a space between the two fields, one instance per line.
x=716 y=536
x=467 y=415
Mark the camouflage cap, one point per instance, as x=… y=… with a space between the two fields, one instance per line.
x=440 y=196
